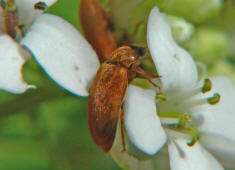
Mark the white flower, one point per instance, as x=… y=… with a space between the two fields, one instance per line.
x=191 y=110
x=15 y=17
x=57 y=46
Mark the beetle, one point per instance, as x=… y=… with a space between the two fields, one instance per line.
x=118 y=67
x=108 y=91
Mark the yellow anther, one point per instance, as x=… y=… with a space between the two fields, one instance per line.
x=184 y=120
x=188 y=117
x=193 y=131
x=207 y=86
x=9 y=3
x=20 y=31
x=41 y=6
x=214 y=100
x=161 y=97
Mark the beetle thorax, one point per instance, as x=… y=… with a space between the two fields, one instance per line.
x=124 y=56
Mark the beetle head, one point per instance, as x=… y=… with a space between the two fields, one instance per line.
x=127 y=55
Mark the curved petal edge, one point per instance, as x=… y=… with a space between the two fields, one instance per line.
x=141 y=121
x=11 y=63
x=62 y=52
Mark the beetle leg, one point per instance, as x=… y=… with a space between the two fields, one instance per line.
x=142 y=72
x=122 y=130
x=147 y=75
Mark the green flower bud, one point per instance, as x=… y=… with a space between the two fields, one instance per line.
x=208 y=44
x=197 y=11
x=181 y=29
x=129 y=13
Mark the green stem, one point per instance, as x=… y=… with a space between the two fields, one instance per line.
x=29 y=100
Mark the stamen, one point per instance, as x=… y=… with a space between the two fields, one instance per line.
x=210 y=100
x=41 y=6
x=161 y=97
x=186 y=95
x=169 y=114
x=176 y=134
x=3 y=4
x=207 y=86
x=191 y=134
x=184 y=120
x=193 y=131
x=169 y=121
x=20 y=31
x=8 y=5
x=214 y=100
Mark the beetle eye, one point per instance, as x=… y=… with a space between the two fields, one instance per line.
x=139 y=50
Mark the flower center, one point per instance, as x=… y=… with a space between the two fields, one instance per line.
x=175 y=111
x=11 y=18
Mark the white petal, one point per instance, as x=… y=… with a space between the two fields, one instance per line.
x=219 y=120
x=221 y=148
x=11 y=62
x=173 y=63
x=62 y=52
x=141 y=121
x=184 y=157
x=27 y=12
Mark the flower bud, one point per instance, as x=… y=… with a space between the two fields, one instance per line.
x=127 y=14
x=198 y=11
x=208 y=44
x=181 y=29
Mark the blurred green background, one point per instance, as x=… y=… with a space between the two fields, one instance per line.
x=46 y=128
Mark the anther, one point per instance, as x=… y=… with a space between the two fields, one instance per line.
x=3 y=4
x=9 y=3
x=193 y=131
x=161 y=97
x=207 y=86
x=19 y=31
x=214 y=100
x=184 y=120
x=41 y=6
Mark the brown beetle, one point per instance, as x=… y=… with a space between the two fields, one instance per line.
x=118 y=67
x=108 y=91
